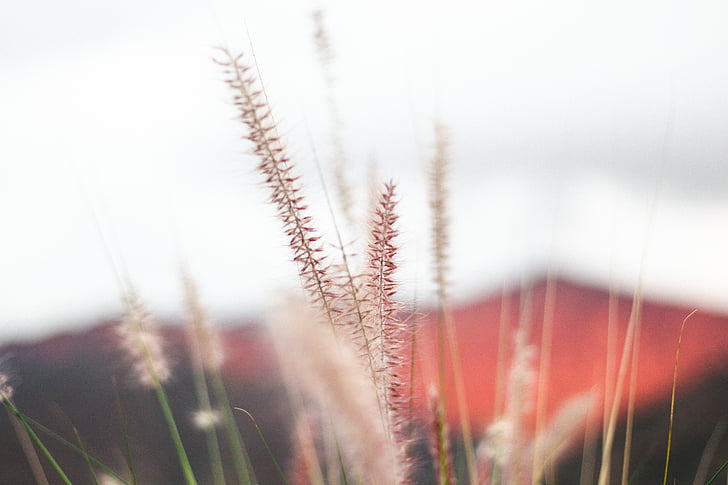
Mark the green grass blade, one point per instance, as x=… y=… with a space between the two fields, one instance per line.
x=265 y=443
x=717 y=474
x=125 y=432
x=86 y=456
x=240 y=456
x=36 y=467
x=174 y=432
x=73 y=447
x=36 y=439
x=213 y=443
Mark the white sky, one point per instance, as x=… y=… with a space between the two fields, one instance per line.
x=561 y=113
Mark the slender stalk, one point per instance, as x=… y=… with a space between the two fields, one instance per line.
x=206 y=356
x=174 y=433
x=672 y=396
x=86 y=456
x=34 y=437
x=441 y=442
x=351 y=289
x=243 y=468
x=326 y=58
x=213 y=445
x=605 y=469
x=73 y=447
x=445 y=327
x=544 y=371
x=125 y=433
x=717 y=474
x=30 y=454
x=634 y=368
x=265 y=443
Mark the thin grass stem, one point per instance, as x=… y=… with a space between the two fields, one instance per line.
x=717 y=474
x=125 y=434
x=672 y=396
x=86 y=456
x=36 y=439
x=243 y=468
x=265 y=443
x=174 y=433
x=31 y=454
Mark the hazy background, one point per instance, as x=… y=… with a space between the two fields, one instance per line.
x=568 y=121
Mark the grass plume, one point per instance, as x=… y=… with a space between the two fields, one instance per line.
x=283 y=184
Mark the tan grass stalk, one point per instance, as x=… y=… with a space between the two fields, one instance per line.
x=502 y=449
x=440 y=225
x=672 y=396
x=610 y=364
x=589 y=446
x=282 y=182
x=348 y=287
x=520 y=390
x=442 y=459
x=629 y=425
x=502 y=361
x=521 y=379
x=305 y=465
x=544 y=372
x=305 y=469
x=203 y=337
x=326 y=55
x=627 y=348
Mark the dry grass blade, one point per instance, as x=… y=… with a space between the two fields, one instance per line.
x=627 y=349
x=440 y=225
x=672 y=396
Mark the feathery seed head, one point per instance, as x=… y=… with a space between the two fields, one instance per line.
x=285 y=191
x=143 y=345
x=204 y=339
x=329 y=371
x=321 y=39
x=563 y=428
x=498 y=443
x=438 y=204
